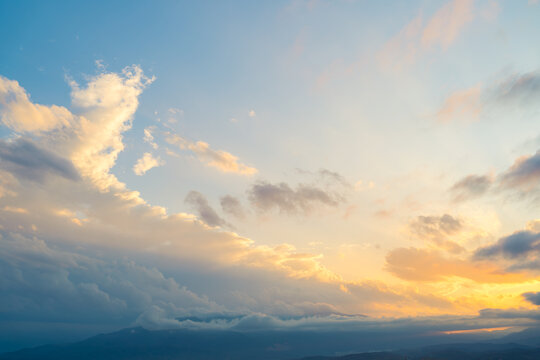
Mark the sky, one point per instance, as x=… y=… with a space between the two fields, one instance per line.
x=294 y=163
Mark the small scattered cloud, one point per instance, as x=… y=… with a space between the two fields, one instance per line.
x=174 y=114
x=149 y=137
x=145 y=163
x=471 y=186
x=438 y=230
x=265 y=196
x=232 y=206
x=252 y=113
x=205 y=212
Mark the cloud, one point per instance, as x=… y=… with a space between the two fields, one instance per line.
x=514 y=91
x=470 y=187
x=427 y=265
x=252 y=113
x=145 y=163
x=532 y=297
x=218 y=159
x=19 y=114
x=522 y=178
x=205 y=212
x=76 y=286
x=26 y=159
x=441 y=30
x=461 y=105
x=232 y=206
x=521 y=244
x=447 y=23
x=106 y=106
x=149 y=138
x=266 y=196
x=517 y=89
x=437 y=230
x=523 y=175
x=125 y=259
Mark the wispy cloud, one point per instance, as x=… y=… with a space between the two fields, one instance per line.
x=219 y=159
x=441 y=30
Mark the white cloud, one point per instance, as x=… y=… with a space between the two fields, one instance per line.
x=149 y=138
x=19 y=114
x=145 y=163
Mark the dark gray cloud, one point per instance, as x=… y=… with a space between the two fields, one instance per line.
x=471 y=186
x=26 y=159
x=519 y=245
x=43 y=282
x=232 y=206
x=205 y=212
x=524 y=175
x=265 y=196
x=532 y=297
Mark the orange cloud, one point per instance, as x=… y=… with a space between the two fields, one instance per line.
x=425 y=265
x=447 y=23
x=462 y=104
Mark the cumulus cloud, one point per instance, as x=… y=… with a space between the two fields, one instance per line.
x=19 y=114
x=232 y=206
x=26 y=159
x=145 y=163
x=218 y=159
x=106 y=106
x=205 y=212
